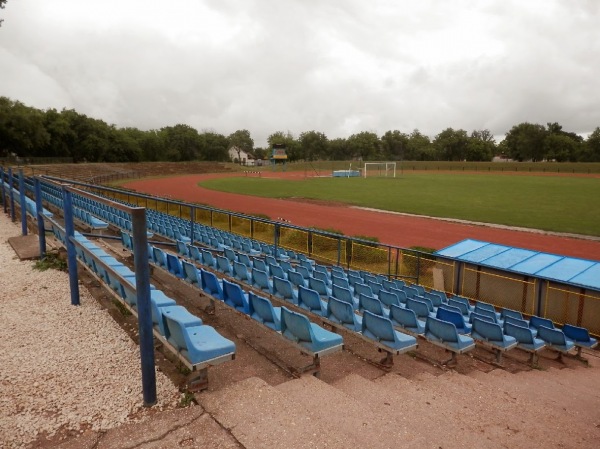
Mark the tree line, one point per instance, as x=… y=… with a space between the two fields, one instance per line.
x=29 y=132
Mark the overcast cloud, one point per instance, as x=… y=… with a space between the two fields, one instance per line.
x=338 y=66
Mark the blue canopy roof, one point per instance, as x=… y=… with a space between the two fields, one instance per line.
x=570 y=270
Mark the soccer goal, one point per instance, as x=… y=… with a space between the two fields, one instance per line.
x=380 y=169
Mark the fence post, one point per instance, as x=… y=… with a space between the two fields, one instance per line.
x=276 y=230
x=71 y=254
x=10 y=192
x=22 y=200
x=339 y=257
x=39 y=214
x=192 y=220
x=142 y=286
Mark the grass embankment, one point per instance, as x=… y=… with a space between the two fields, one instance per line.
x=553 y=203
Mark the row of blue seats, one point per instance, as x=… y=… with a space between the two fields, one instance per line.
x=199 y=344
x=30 y=206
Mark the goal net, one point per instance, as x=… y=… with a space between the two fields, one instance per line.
x=380 y=169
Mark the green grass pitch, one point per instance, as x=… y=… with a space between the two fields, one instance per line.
x=552 y=203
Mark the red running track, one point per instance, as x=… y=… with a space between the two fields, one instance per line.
x=400 y=230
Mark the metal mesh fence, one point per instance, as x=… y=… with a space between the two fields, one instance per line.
x=329 y=249
x=294 y=239
x=265 y=232
x=499 y=289
x=369 y=257
x=241 y=226
x=572 y=305
x=220 y=220
x=202 y=216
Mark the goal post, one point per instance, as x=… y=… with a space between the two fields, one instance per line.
x=380 y=169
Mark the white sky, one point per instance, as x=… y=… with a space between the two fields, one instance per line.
x=336 y=66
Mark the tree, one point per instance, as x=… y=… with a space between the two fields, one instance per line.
x=561 y=148
x=365 y=145
x=241 y=141
x=338 y=149
x=393 y=144
x=182 y=142
x=418 y=147
x=525 y=141
x=292 y=146
x=592 y=147
x=452 y=144
x=314 y=145
x=214 y=147
x=481 y=146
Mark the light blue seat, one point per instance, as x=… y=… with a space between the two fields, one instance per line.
x=224 y=266
x=535 y=322
x=158 y=300
x=522 y=323
x=373 y=305
x=319 y=286
x=322 y=277
x=428 y=302
x=555 y=339
x=381 y=330
x=303 y=271
x=388 y=298
x=465 y=301
x=230 y=254
x=401 y=294
x=354 y=279
x=182 y=249
x=276 y=270
x=210 y=284
x=116 y=275
x=435 y=297
x=235 y=297
x=342 y=313
x=362 y=289
x=460 y=305
x=126 y=240
x=208 y=259
x=260 y=280
x=245 y=259
x=525 y=338
x=101 y=260
x=580 y=336
x=420 y=308
x=482 y=316
x=453 y=315
x=511 y=313
x=199 y=344
x=181 y=313
x=310 y=300
x=343 y=294
x=407 y=320
x=489 y=307
x=263 y=311
x=491 y=335
x=410 y=291
x=444 y=334
x=489 y=313
x=160 y=258
x=241 y=272
x=174 y=266
x=296 y=279
x=375 y=286
x=309 y=336
x=191 y=273
x=341 y=281
x=260 y=264
x=283 y=289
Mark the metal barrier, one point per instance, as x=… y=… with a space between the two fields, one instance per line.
x=563 y=304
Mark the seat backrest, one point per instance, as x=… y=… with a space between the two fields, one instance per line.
x=320 y=268
x=230 y=254
x=342 y=282
x=210 y=284
x=405 y=317
x=341 y=293
x=363 y=289
x=190 y=272
x=318 y=285
x=270 y=260
x=459 y=305
x=511 y=313
x=303 y=271
x=282 y=288
x=262 y=310
x=411 y=292
x=486 y=312
x=310 y=298
x=435 y=298
x=485 y=306
x=387 y=284
x=443 y=330
x=388 y=298
x=426 y=301
x=401 y=294
x=207 y=258
x=195 y=253
x=285 y=265
x=276 y=270
x=379 y=326
x=234 y=295
x=223 y=264
x=552 y=336
x=521 y=333
x=375 y=286
x=419 y=307
x=371 y=304
x=296 y=278
x=260 y=264
x=490 y=331
x=174 y=265
x=451 y=316
x=482 y=316
x=260 y=278
x=181 y=248
x=341 y=311
x=516 y=321
x=159 y=257
x=578 y=334
x=354 y=279
x=295 y=326
x=240 y=271
x=321 y=276
x=245 y=259
x=536 y=321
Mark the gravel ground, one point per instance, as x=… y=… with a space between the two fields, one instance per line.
x=62 y=368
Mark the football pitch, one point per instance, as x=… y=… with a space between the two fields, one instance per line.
x=568 y=204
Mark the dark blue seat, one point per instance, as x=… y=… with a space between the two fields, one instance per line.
x=535 y=322
x=407 y=320
x=342 y=313
x=555 y=339
x=235 y=297
x=491 y=335
x=454 y=317
x=309 y=336
x=211 y=285
x=580 y=337
x=381 y=330
x=174 y=266
x=263 y=311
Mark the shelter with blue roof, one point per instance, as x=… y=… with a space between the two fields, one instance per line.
x=564 y=289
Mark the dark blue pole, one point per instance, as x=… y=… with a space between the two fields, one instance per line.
x=10 y=192
x=3 y=190
x=39 y=214
x=71 y=254
x=192 y=219
x=23 y=205
x=142 y=286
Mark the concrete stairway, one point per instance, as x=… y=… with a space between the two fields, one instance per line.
x=549 y=408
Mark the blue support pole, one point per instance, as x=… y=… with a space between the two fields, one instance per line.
x=10 y=192
x=3 y=190
x=142 y=285
x=71 y=254
x=23 y=204
x=39 y=214
x=192 y=219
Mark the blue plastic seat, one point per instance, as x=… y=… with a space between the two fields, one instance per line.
x=276 y=270
x=283 y=289
x=230 y=254
x=224 y=266
x=191 y=273
x=260 y=280
x=363 y=289
x=518 y=322
x=311 y=337
x=126 y=240
x=381 y=330
x=464 y=301
x=491 y=335
x=319 y=286
x=407 y=320
x=511 y=313
x=452 y=316
x=322 y=277
x=373 y=305
x=420 y=308
x=489 y=307
x=174 y=266
x=555 y=339
x=208 y=259
x=241 y=272
x=310 y=300
x=235 y=297
x=375 y=286
x=210 y=284
x=260 y=264
x=303 y=271
x=182 y=248
x=489 y=313
x=343 y=294
x=296 y=279
x=580 y=337
x=535 y=322
x=263 y=311
x=388 y=298
x=160 y=258
x=342 y=313
x=197 y=343
x=444 y=334
x=181 y=313
x=459 y=305
x=410 y=291
x=525 y=338
x=245 y=259
x=401 y=294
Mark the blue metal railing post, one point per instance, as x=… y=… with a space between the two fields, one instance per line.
x=10 y=192
x=3 y=190
x=22 y=200
x=39 y=214
x=142 y=285
x=192 y=220
x=71 y=254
